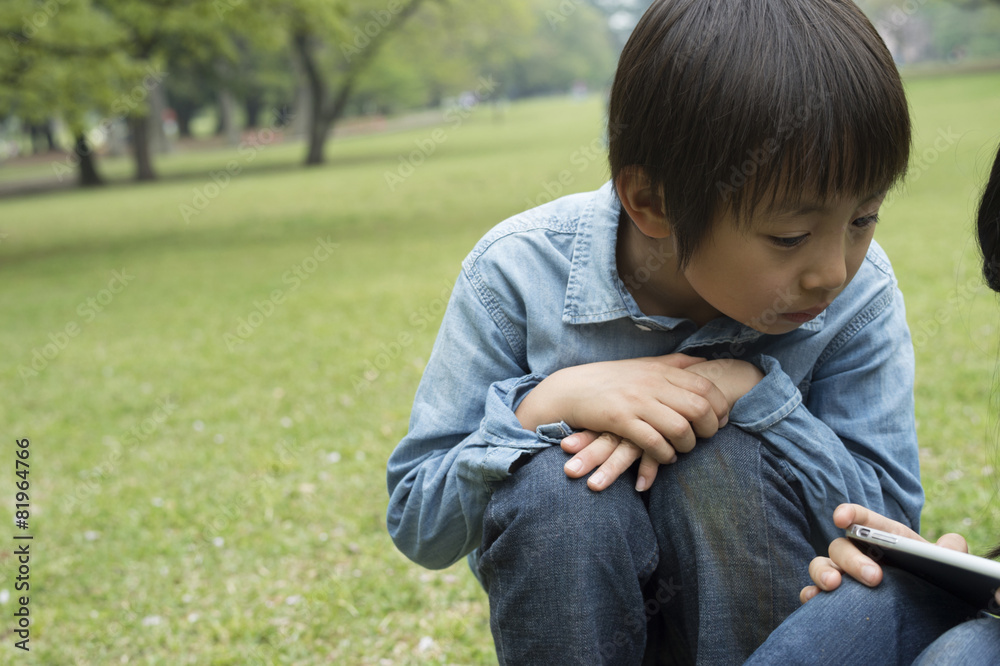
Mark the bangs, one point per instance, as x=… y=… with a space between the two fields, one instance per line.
x=829 y=130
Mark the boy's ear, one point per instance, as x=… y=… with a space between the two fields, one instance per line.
x=642 y=203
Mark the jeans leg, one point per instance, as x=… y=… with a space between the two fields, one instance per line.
x=564 y=567
x=855 y=624
x=734 y=547
x=972 y=643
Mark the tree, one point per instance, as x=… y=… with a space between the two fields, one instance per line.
x=154 y=31
x=62 y=59
x=362 y=30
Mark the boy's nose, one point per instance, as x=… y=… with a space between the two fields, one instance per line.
x=828 y=273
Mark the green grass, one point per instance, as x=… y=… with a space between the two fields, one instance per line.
x=201 y=498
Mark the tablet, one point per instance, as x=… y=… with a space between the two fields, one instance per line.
x=968 y=577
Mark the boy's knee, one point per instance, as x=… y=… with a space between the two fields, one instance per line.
x=721 y=466
x=728 y=481
x=540 y=498
x=541 y=486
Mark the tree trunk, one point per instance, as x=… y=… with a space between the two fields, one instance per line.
x=42 y=140
x=227 y=117
x=318 y=131
x=317 y=126
x=158 y=141
x=252 y=105
x=88 y=170
x=184 y=123
x=139 y=128
x=297 y=118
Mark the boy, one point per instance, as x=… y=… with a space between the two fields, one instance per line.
x=725 y=277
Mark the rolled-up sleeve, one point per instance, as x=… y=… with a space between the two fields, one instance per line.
x=852 y=438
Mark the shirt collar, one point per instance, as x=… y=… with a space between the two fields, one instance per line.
x=595 y=293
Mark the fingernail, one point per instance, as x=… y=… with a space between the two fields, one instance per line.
x=574 y=466
x=597 y=479
x=825 y=578
x=869 y=572
x=640 y=485
x=724 y=420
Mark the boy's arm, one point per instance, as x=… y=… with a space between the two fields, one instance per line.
x=463 y=435
x=670 y=400
x=854 y=439
x=647 y=407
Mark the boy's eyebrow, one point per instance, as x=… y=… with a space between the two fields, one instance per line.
x=801 y=207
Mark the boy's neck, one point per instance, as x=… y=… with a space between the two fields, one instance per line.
x=649 y=268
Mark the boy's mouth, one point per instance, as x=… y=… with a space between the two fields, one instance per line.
x=803 y=316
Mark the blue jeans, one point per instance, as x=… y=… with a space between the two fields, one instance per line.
x=695 y=570
x=901 y=621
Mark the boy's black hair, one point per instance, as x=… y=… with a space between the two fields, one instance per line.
x=988 y=229
x=727 y=105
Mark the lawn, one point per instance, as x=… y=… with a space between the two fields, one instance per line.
x=213 y=369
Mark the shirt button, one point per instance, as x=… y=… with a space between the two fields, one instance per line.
x=643 y=328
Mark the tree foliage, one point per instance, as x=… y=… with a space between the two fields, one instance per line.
x=97 y=64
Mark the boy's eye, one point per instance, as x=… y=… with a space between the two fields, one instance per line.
x=788 y=241
x=866 y=221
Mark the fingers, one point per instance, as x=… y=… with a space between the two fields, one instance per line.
x=701 y=390
x=846 y=515
x=578 y=441
x=686 y=407
x=669 y=429
x=643 y=432
x=824 y=573
x=808 y=593
x=592 y=455
x=647 y=472
x=611 y=455
x=620 y=460
x=847 y=557
x=954 y=542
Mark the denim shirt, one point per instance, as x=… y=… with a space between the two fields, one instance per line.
x=541 y=292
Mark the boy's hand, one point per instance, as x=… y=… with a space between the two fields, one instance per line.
x=734 y=378
x=845 y=557
x=615 y=454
